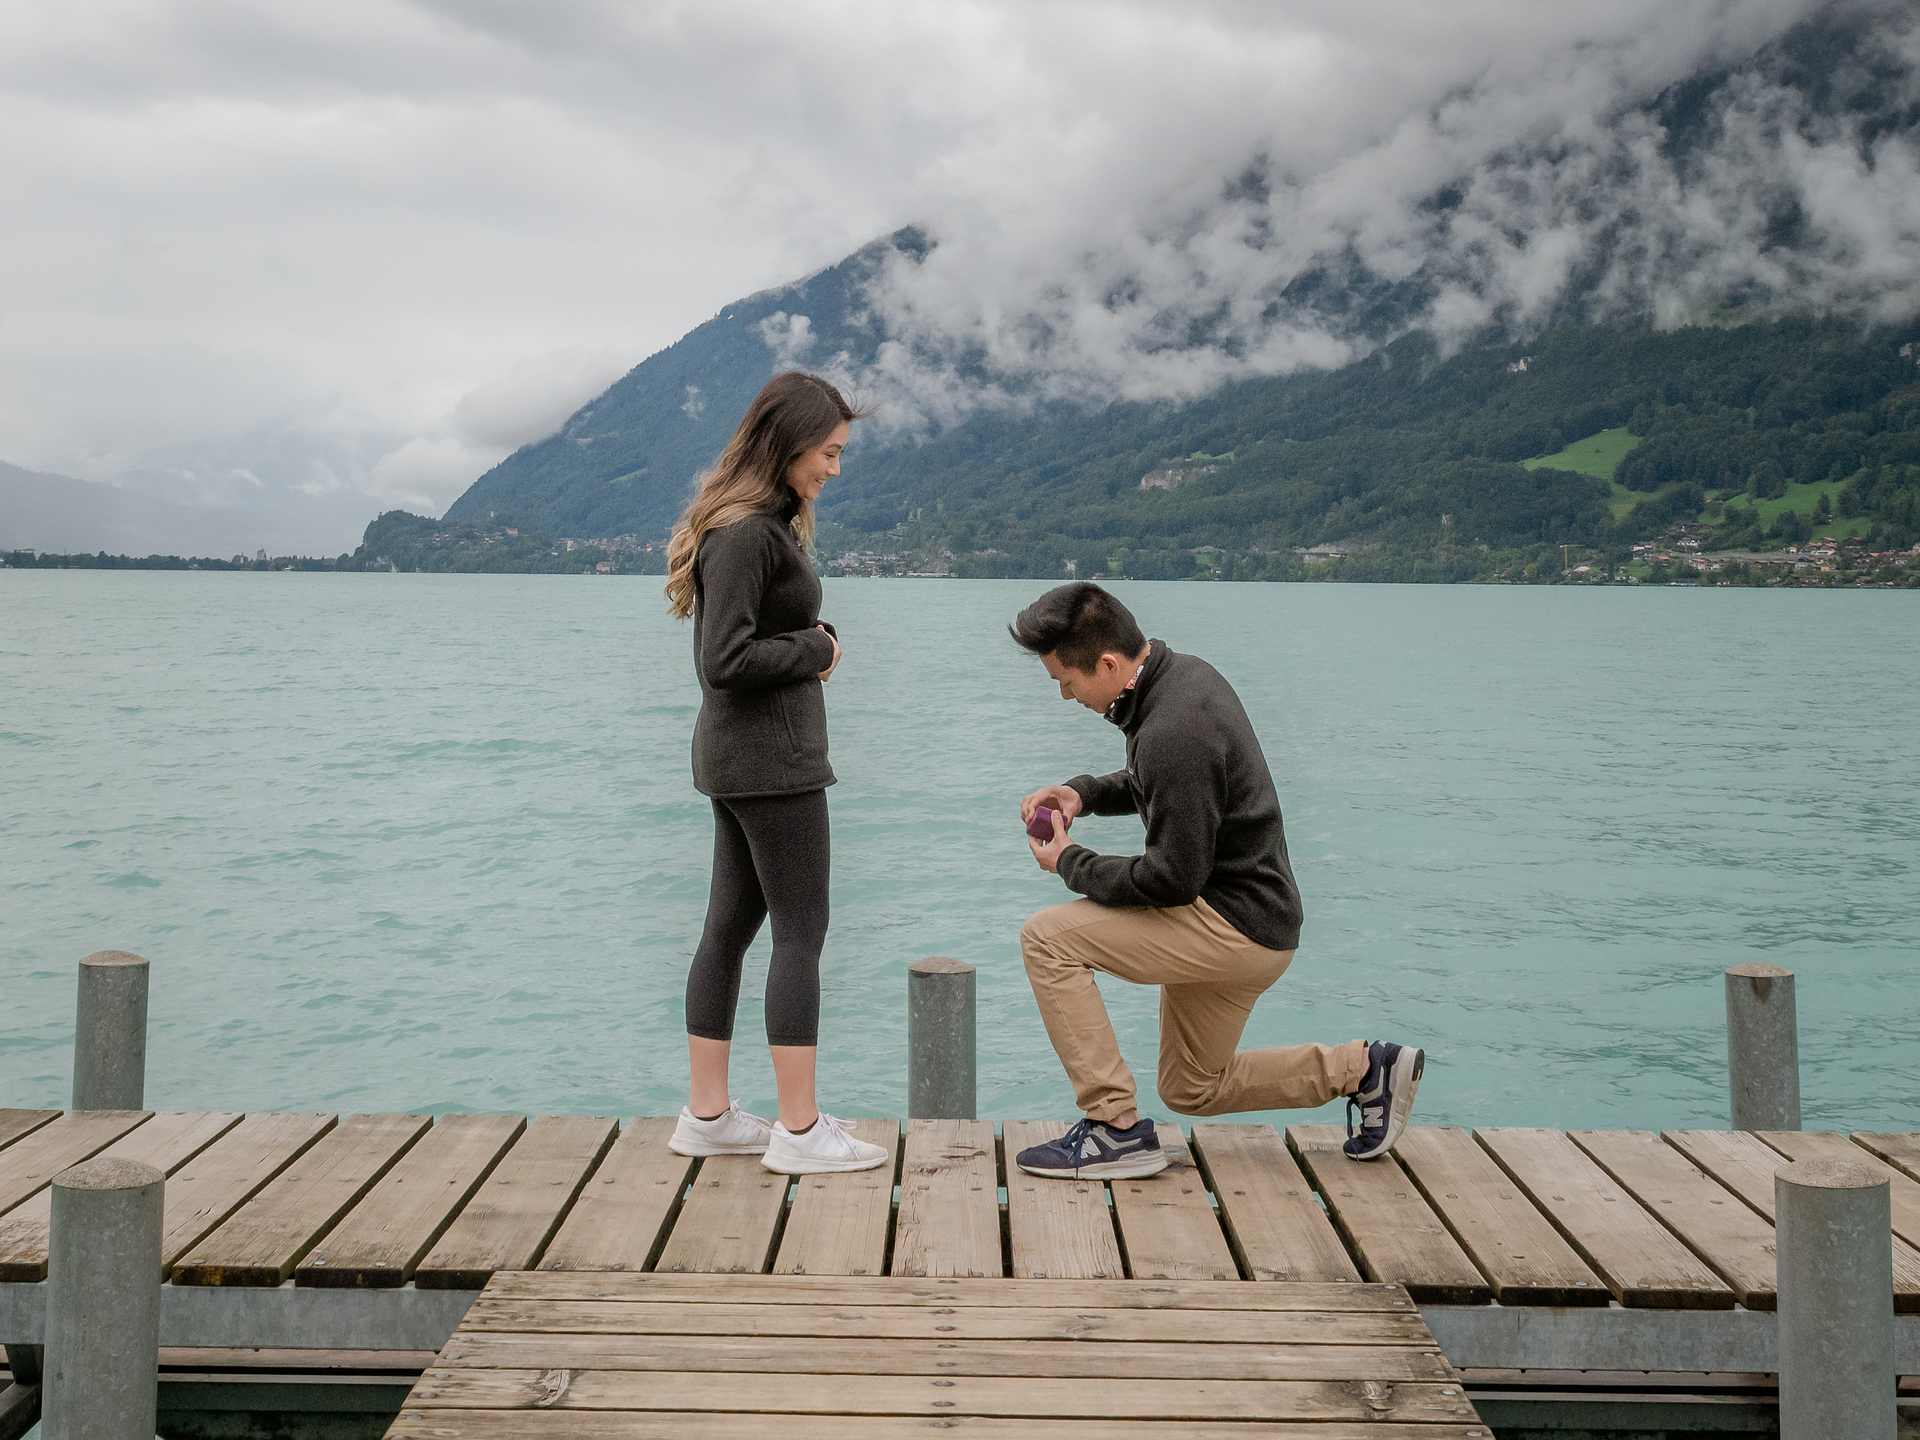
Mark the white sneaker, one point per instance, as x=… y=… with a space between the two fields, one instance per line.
x=826 y=1148
x=733 y=1132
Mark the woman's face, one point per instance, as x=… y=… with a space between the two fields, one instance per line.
x=807 y=476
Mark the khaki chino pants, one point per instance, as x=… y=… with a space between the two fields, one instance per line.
x=1209 y=976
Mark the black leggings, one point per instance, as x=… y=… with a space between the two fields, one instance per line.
x=770 y=854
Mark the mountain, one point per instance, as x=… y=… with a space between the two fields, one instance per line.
x=61 y=514
x=1433 y=455
x=623 y=462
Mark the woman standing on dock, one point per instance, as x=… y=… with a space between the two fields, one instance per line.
x=736 y=566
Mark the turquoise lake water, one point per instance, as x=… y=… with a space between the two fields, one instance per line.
x=429 y=843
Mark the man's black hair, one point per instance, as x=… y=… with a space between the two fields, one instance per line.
x=1079 y=623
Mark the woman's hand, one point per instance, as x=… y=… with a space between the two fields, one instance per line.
x=834 y=664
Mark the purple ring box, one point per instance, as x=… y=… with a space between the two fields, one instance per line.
x=1040 y=827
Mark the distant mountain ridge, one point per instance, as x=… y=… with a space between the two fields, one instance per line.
x=1413 y=447
x=60 y=513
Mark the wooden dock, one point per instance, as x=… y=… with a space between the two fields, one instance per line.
x=655 y=1355
x=1515 y=1248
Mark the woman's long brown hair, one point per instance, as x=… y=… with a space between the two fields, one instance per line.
x=792 y=413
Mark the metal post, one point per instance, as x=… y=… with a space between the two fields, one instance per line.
x=1763 y=1048
x=102 y=1378
x=941 y=1060
x=1834 y=1268
x=110 y=1033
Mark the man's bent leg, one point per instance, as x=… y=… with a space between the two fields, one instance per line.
x=1059 y=945
x=1203 y=1072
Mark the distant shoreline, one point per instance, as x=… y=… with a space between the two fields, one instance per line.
x=1763 y=571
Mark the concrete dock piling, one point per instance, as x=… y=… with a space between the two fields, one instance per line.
x=1763 y=1048
x=110 y=1033
x=941 y=1040
x=102 y=1364
x=1835 y=1280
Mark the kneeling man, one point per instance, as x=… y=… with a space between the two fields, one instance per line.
x=1210 y=912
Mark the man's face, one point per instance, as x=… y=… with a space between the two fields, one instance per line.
x=1096 y=688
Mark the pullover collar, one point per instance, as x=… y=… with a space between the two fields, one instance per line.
x=1132 y=705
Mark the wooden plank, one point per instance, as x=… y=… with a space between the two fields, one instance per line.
x=516 y=1212
x=1745 y=1165
x=1514 y=1245
x=711 y=1425
x=1057 y=1229
x=1391 y=1230
x=32 y=1161
x=838 y=1224
x=621 y=1216
x=1709 y=1221
x=1167 y=1224
x=1273 y=1222
x=729 y=1220
x=977 y=1322
x=15 y=1123
x=853 y=1394
x=949 y=1221
x=1903 y=1191
x=165 y=1142
x=383 y=1237
x=262 y=1242
x=1900 y=1149
x=1641 y=1262
x=1063 y=1358
x=829 y=1290
x=229 y=1172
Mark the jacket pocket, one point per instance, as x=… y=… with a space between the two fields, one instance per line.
x=783 y=710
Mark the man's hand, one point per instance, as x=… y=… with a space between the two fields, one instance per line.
x=1047 y=856
x=1063 y=798
x=834 y=664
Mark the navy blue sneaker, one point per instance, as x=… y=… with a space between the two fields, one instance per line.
x=1384 y=1099
x=1093 y=1151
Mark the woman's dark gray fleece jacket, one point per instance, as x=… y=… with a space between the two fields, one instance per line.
x=1196 y=774
x=763 y=721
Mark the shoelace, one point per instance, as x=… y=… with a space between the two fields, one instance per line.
x=837 y=1129
x=1070 y=1142
x=760 y=1122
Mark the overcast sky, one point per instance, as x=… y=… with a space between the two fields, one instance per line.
x=435 y=227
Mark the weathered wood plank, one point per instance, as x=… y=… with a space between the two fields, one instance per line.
x=383 y=1237
x=32 y=1161
x=1514 y=1245
x=977 y=1322
x=1708 y=1220
x=852 y=1394
x=838 y=1224
x=1058 y=1229
x=262 y=1242
x=1746 y=1166
x=215 y=1183
x=1273 y=1222
x=712 y=1425
x=513 y=1215
x=623 y=1210
x=1390 y=1229
x=166 y=1142
x=15 y=1123
x=831 y=1290
x=1899 y=1148
x=1903 y=1191
x=788 y=1354
x=949 y=1222
x=1167 y=1224
x=729 y=1220
x=1642 y=1263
